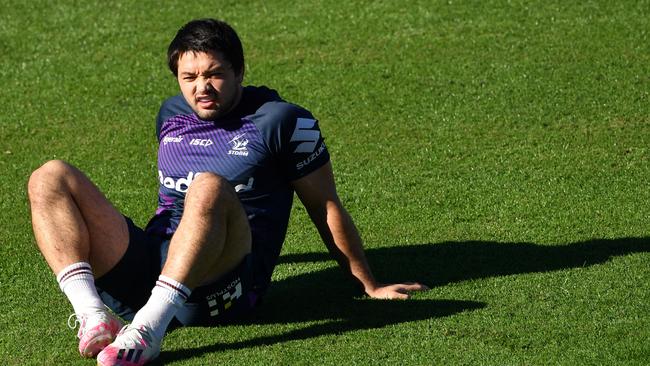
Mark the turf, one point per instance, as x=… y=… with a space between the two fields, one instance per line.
x=495 y=150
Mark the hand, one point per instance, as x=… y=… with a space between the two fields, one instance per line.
x=396 y=291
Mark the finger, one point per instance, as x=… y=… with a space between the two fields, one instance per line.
x=398 y=295
x=413 y=286
x=391 y=293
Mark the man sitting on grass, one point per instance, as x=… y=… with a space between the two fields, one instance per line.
x=229 y=161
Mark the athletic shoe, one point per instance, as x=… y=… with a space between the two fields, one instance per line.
x=96 y=331
x=132 y=347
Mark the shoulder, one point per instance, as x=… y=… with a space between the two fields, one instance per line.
x=274 y=117
x=279 y=115
x=293 y=133
x=265 y=104
x=277 y=121
x=171 y=107
x=282 y=111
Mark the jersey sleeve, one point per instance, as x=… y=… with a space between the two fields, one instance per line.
x=294 y=138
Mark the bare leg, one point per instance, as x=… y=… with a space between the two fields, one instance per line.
x=78 y=230
x=73 y=221
x=213 y=235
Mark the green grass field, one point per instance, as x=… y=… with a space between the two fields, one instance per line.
x=497 y=151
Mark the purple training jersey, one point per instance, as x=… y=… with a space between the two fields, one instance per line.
x=259 y=147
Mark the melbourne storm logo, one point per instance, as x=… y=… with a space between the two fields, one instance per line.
x=238 y=145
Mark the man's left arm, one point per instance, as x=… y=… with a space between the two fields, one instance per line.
x=317 y=191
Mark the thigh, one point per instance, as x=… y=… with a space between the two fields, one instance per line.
x=108 y=232
x=67 y=207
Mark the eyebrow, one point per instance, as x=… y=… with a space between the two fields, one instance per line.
x=217 y=68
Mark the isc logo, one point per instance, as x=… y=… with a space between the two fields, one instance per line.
x=201 y=142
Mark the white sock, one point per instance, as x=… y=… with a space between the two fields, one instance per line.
x=78 y=284
x=166 y=298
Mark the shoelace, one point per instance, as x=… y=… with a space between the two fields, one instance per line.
x=77 y=321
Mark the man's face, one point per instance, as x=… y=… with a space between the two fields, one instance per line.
x=208 y=83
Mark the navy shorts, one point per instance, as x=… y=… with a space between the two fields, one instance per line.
x=127 y=287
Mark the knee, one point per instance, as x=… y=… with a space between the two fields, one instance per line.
x=209 y=191
x=47 y=179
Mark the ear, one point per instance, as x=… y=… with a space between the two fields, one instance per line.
x=240 y=75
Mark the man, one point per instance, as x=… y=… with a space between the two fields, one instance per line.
x=230 y=159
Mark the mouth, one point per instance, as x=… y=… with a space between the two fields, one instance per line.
x=206 y=101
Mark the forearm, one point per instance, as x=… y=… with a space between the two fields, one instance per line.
x=318 y=193
x=343 y=241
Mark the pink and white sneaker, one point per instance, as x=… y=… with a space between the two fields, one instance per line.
x=132 y=347
x=96 y=331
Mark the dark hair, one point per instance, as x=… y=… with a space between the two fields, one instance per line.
x=207 y=35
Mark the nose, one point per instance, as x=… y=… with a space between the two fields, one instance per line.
x=204 y=85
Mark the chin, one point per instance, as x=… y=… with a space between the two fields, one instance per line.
x=208 y=115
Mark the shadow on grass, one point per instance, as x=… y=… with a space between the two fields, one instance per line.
x=327 y=298
x=334 y=316
x=447 y=262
